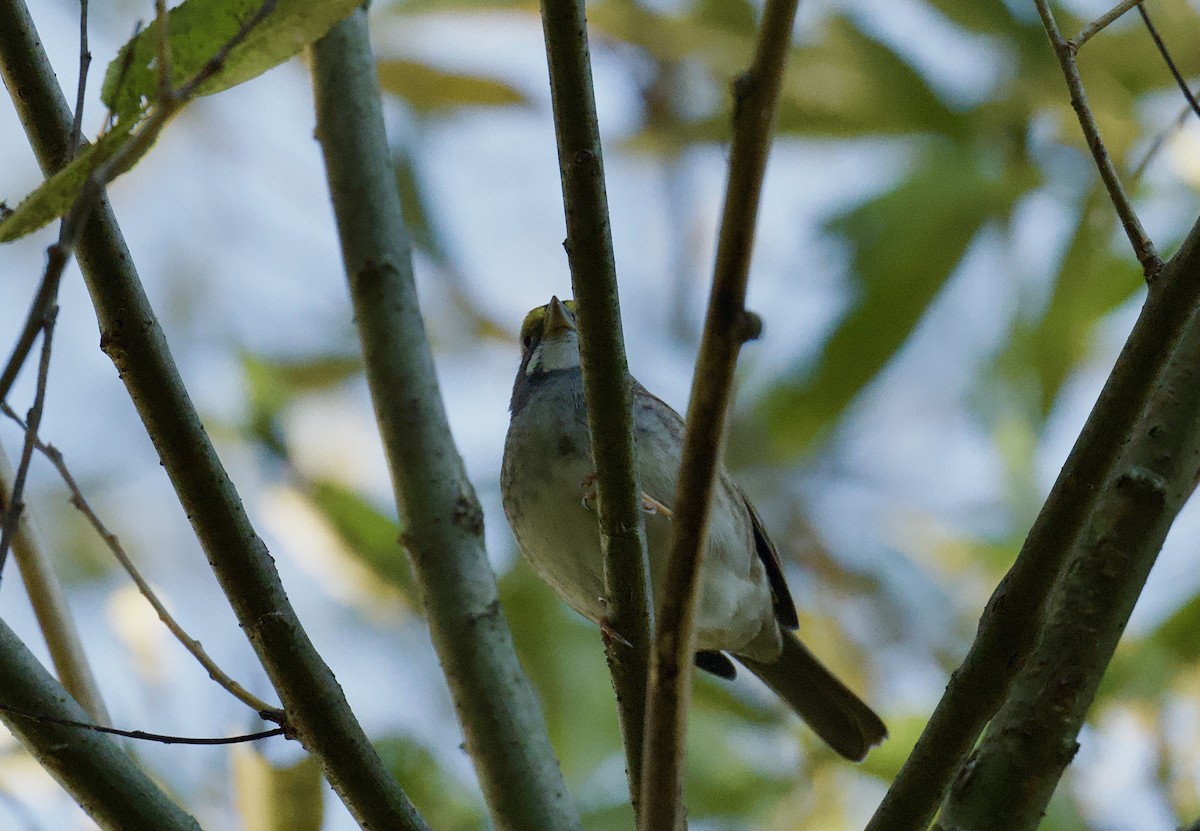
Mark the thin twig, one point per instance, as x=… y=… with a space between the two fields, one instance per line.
x=48 y=290
x=1166 y=55
x=98 y=772
x=141 y=735
x=608 y=395
x=1143 y=247
x=1159 y=141
x=1100 y=23
x=726 y=327
x=77 y=499
x=85 y=61
x=15 y=506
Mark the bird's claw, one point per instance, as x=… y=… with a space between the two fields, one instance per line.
x=588 y=487
x=652 y=506
x=611 y=636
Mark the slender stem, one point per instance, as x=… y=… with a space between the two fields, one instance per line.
x=1143 y=247
x=1159 y=141
x=15 y=506
x=1032 y=738
x=1101 y=23
x=441 y=517
x=141 y=735
x=607 y=391
x=95 y=770
x=1170 y=62
x=51 y=608
x=726 y=327
x=110 y=539
x=1009 y=626
x=133 y=340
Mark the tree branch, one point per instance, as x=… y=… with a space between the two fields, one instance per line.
x=1143 y=247
x=132 y=338
x=50 y=607
x=1101 y=23
x=726 y=327
x=441 y=517
x=607 y=390
x=1013 y=617
x=1033 y=736
x=193 y=646
x=1168 y=60
x=97 y=772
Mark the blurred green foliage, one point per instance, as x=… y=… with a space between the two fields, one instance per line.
x=972 y=163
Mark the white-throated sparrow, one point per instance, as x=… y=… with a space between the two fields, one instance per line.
x=745 y=607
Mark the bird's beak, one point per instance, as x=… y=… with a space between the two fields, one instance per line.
x=558 y=319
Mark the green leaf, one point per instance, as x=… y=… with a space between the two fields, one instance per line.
x=875 y=92
x=277 y=798
x=985 y=18
x=905 y=245
x=55 y=196
x=199 y=29
x=371 y=537
x=1145 y=668
x=444 y=803
x=430 y=90
x=414 y=201
x=737 y=15
x=273 y=384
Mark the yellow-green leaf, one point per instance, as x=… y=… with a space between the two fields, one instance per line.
x=199 y=29
x=428 y=89
x=277 y=798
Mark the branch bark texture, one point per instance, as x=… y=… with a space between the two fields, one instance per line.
x=1009 y=626
x=606 y=382
x=1033 y=737
x=94 y=769
x=131 y=337
x=726 y=327
x=442 y=519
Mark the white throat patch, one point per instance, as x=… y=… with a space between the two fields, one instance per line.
x=559 y=352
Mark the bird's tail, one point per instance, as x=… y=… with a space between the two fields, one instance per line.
x=827 y=705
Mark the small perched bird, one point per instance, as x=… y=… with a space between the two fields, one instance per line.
x=745 y=607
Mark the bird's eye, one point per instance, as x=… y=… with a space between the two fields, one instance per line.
x=527 y=341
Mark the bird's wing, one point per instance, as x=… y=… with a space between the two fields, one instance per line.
x=785 y=607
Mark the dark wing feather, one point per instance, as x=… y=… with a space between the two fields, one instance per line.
x=785 y=607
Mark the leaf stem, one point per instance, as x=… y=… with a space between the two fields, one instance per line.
x=1065 y=50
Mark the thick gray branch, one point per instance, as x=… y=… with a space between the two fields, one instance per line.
x=1033 y=737
x=1010 y=624
x=94 y=769
x=442 y=520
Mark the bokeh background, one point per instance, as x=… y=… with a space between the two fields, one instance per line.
x=944 y=288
